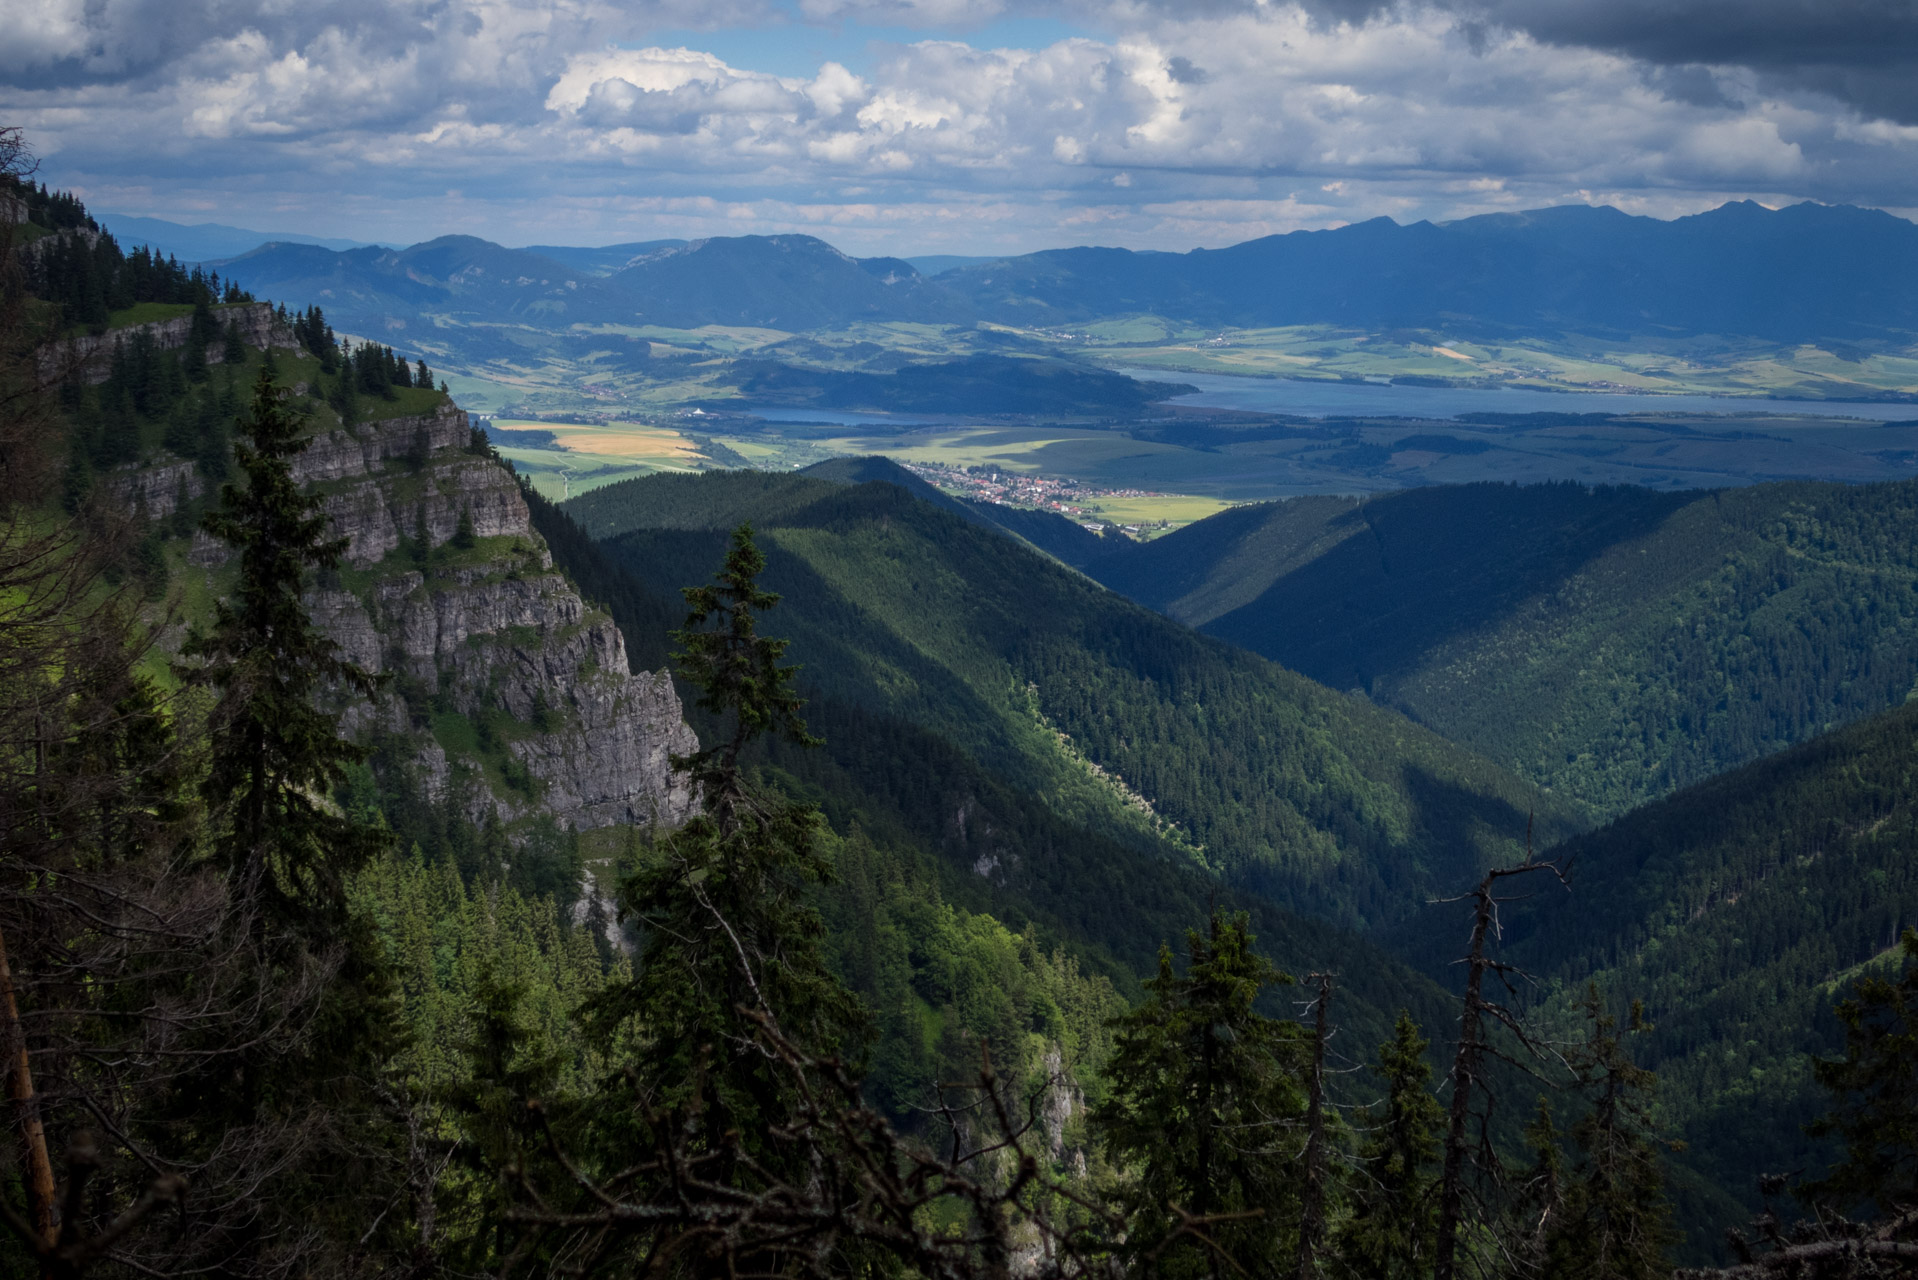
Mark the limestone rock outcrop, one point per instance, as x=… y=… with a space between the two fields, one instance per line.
x=513 y=692
x=90 y=356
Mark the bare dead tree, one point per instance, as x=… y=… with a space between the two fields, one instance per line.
x=685 y=1206
x=33 y=1136
x=1312 y=1210
x=1469 y=1158
x=1827 y=1246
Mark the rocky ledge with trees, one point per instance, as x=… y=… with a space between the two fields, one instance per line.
x=271 y=1008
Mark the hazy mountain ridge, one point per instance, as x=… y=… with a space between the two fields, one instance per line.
x=779 y=282
x=1787 y=275
x=1803 y=272
x=206 y=241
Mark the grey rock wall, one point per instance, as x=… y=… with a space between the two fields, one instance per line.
x=154 y=492
x=90 y=356
x=508 y=636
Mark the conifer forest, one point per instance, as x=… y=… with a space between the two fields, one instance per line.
x=807 y=872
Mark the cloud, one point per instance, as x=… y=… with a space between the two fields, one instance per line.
x=1196 y=123
x=1864 y=53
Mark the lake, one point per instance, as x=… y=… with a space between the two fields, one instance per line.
x=1313 y=399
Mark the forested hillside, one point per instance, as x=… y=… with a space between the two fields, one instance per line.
x=987 y=838
x=1738 y=910
x=398 y=877
x=1117 y=717
x=1610 y=644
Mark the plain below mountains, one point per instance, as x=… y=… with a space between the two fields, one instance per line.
x=1834 y=273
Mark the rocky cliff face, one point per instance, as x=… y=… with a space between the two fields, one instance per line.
x=91 y=356
x=513 y=692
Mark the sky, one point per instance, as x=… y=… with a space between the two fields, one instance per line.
x=913 y=127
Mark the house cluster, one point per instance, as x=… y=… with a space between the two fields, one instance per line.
x=1071 y=498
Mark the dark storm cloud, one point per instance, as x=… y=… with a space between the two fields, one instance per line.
x=73 y=43
x=1205 y=121
x=1862 y=52
x=1692 y=84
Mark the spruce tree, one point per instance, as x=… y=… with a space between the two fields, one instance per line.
x=345 y=397
x=730 y=937
x=1615 y=1223
x=1875 y=1085
x=1205 y=1095
x=281 y=1110
x=464 y=539
x=275 y=753
x=1391 y=1232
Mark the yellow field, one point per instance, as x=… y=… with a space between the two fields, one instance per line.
x=1051 y=450
x=1175 y=509
x=590 y=456
x=1696 y=367
x=659 y=447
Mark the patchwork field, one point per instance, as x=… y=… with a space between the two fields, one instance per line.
x=1164 y=512
x=585 y=456
x=1690 y=366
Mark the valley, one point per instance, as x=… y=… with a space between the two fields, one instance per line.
x=396 y=716
x=1739 y=368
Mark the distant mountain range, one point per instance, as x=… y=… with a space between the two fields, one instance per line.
x=203 y=241
x=1796 y=274
x=772 y=282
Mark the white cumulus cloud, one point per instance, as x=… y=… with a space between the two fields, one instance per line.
x=1168 y=125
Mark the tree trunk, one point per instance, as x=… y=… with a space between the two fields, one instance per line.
x=33 y=1137
x=1312 y=1216
x=1465 y=1068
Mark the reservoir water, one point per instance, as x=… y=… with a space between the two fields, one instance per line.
x=1314 y=399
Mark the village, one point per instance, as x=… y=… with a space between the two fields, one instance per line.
x=1062 y=494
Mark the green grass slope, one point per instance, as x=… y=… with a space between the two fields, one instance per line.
x=1610 y=644
x=1122 y=721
